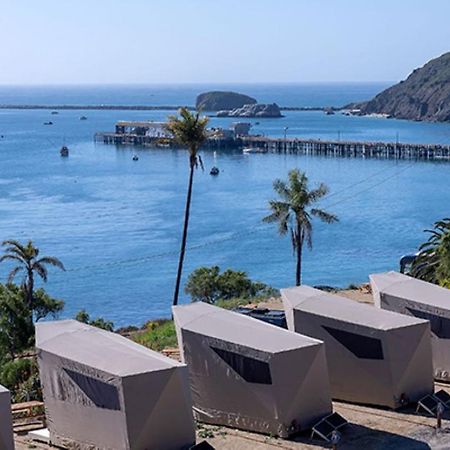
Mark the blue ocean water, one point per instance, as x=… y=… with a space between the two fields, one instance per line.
x=116 y=223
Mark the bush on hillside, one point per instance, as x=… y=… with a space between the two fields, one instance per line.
x=207 y=284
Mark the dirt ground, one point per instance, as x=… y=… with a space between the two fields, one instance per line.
x=369 y=428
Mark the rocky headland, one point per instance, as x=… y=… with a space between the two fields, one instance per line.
x=424 y=95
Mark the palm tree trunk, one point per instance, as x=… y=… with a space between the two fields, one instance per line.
x=29 y=289
x=184 y=237
x=298 y=272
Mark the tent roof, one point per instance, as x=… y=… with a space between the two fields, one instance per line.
x=98 y=348
x=403 y=286
x=325 y=304
x=239 y=329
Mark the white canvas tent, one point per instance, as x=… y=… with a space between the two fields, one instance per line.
x=251 y=375
x=397 y=292
x=6 y=426
x=104 y=391
x=374 y=357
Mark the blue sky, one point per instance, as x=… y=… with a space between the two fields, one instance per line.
x=177 y=41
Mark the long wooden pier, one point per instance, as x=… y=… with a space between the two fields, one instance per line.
x=298 y=146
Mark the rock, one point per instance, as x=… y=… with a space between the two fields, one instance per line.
x=424 y=95
x=221 y=100
x=257 y=110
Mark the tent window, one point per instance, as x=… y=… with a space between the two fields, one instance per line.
x=440 y=326
x=363 y=347
x=102 y=394
x=251 y=370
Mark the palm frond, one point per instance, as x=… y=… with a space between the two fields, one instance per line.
x=318 y=193
x=324 y=216
x=41 y=271
x=13 y=274
x=52 y=261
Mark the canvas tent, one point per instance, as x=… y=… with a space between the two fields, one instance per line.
x=397 y=292
x=104 y=391
x=251 y=375
x=6 y=428
x=374 y=357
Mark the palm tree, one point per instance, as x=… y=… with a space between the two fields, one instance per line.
x=188 y=130
x=432 y=263
x=293 y=212
x=28 y=262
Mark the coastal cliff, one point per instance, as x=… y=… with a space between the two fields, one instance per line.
x=222 y=100
x=424 y=95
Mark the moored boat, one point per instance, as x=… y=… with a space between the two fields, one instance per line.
x=248 y=150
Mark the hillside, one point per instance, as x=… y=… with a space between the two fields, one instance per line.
x=424 y=95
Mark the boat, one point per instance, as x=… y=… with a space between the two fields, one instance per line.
x=55 y=112
x=248 y=150
x=64 y=152
x=83 y=118
x=135 y=158
x=214 y=171
x=48 y=123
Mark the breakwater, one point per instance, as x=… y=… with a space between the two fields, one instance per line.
x=143 y=107
x=297 y=146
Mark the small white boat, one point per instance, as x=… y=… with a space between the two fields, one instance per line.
x=248 y=150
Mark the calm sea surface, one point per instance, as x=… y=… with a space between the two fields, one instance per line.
x=116 y=223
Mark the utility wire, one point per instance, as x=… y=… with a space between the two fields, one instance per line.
x=238 y=234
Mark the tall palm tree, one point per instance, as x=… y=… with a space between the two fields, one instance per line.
x=293 y=212
x=189 y=130
x=28 y=262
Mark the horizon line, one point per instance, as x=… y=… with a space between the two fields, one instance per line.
x=192 y=83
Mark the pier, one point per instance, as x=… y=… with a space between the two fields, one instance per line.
x=299 y=146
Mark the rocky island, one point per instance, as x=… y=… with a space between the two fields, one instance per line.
x=222 y=100
x=257 y=110
x=424 y=95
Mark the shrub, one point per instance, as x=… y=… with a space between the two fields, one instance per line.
x=99 y=322
x=208 y=285
x=21 y=377
x=157 y=335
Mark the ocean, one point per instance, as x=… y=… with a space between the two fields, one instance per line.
x=116 y=223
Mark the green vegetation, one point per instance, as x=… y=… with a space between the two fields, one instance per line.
x=20 y=307
x=157 y=335
x=207 y=284
x=189 y=131
x=27 y=262
x=293 y=212
x=21 y=377
x=99 y=322
x=433 y=262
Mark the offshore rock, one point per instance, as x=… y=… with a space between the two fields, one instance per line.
x=222 y=100
x=259 y=110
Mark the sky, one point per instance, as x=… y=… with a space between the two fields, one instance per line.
x=218 y=41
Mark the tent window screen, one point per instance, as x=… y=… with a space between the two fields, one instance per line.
x=363 y=347
x=102 y=394
x=251 y=370
x=440 y=326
